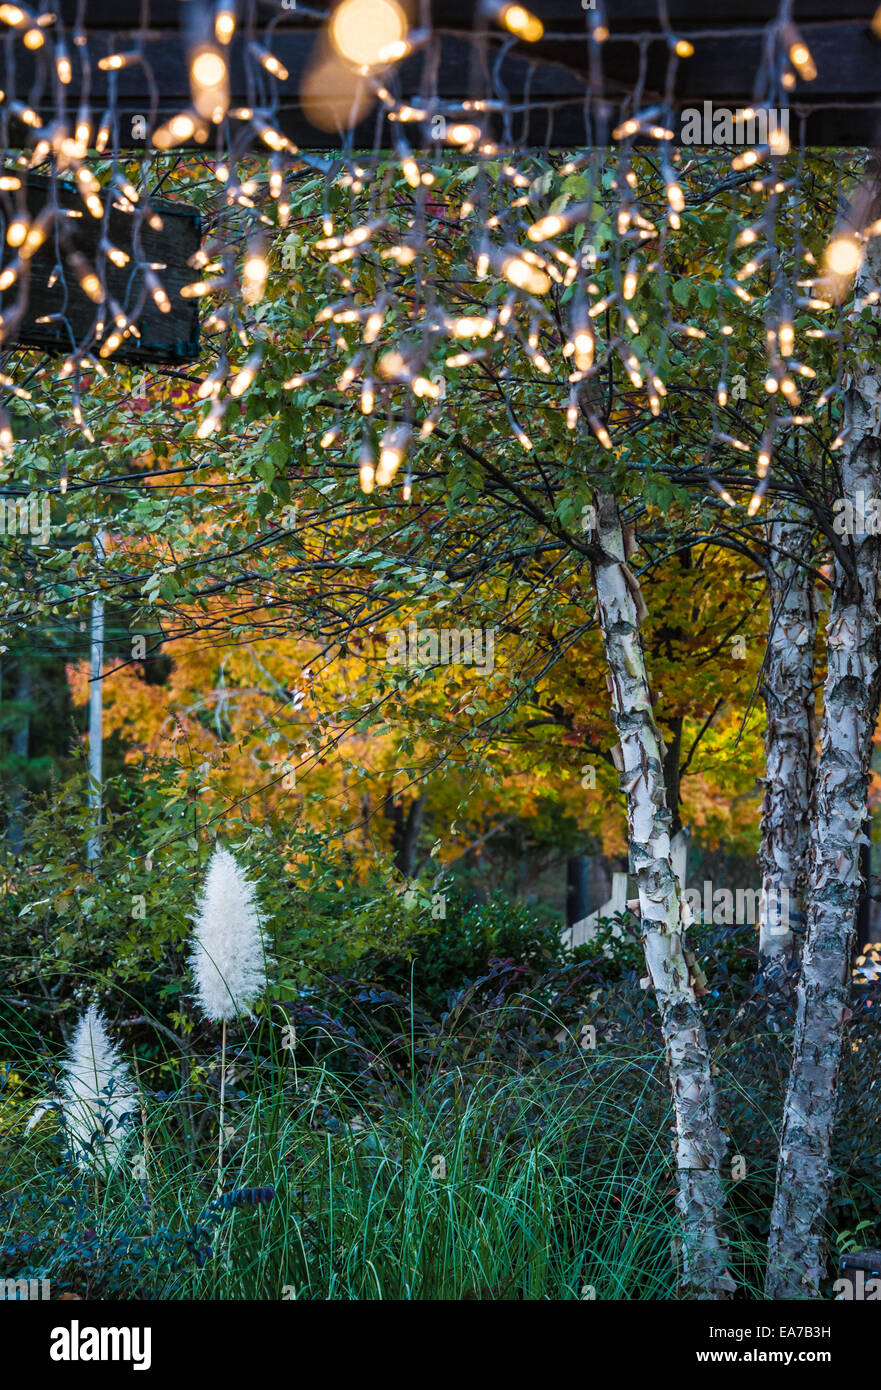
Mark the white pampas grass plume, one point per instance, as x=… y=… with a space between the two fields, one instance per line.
x=228 y=958
x=97 y=1095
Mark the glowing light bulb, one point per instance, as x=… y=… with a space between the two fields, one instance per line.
x=421 y=386
x=522 y=22
x=546 y=227
x=363 y=31
x=211 y=423
x=366 y=470
x=254 y=273
x=110 y=345
x=243 y=378
x=779 y=143
x=160 y=299
x=602 y=434
x=91 y=285
x=269 y=61
x=17 y=231
x=463 y=134
x=800 y=57
x=391 y=453
x=472 y=326
x=410 y=170
x=225 y=23
x=583 y=345
x=754 y=503
x=787 y=338
x=391 y=364
x=208 y=68
x=36 y=235
x=373 y=326
x=525 y=276
x=675 y=197
x=843 y=255
x=209 y=84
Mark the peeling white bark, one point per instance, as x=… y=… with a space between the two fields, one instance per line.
x=796 y=1252
x=790 y=733
x=700 y=1144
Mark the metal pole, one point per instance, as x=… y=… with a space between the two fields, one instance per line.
x=96 y=784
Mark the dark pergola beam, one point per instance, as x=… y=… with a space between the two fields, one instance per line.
x=843 y=104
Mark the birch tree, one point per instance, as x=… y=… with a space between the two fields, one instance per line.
x=796 y=1262
x=700 y=1144
x=790 y=727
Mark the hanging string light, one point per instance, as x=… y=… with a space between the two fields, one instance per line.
x=560 y=274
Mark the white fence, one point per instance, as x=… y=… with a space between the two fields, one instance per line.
x=586 y=929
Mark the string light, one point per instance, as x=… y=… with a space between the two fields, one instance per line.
x=254 y=273
x=521 y=22
x=62 y=63
x=391 y=454
x=800 y=55
x=245 y=376
x=525 y=276
x=366 y=33
x=268 y=60
x=115 y=62
x=843 y=255
x=209 y=83
x=518 y=224
x=472 y=326
x=225 y=22
x=463 y=134
x=366 y=469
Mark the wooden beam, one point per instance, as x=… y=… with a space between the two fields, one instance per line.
x=843 y=105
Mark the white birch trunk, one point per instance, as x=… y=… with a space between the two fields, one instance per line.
x=700 y=1144
x=790 y=731
x=796 y=1251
